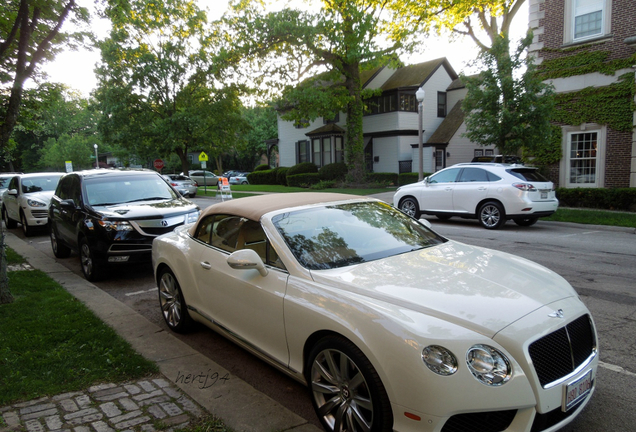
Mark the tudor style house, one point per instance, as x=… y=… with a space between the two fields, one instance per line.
x=587 y=50
x=390 y=126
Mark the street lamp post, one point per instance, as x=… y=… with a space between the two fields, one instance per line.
x=420 y=99
x=96 y=159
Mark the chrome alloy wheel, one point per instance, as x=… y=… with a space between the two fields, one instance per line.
x=170 y=300
x=341 y=393
x=491 y=215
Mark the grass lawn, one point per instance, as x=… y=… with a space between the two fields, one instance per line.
x=51 y=343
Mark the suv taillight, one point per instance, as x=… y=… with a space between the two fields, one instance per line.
x=526 y=187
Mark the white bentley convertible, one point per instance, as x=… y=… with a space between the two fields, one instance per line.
x=390 y=325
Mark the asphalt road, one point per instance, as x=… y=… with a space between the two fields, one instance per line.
x=600 y=263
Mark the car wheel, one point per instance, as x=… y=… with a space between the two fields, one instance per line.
x=346 y=390
x=26 y=229
x=443 y=217
x=410 y=207
x=91 y=267
x=173 y=306
x=59 y=250
x=491 y=215
x=243 y=182
x=193 y=195
x=526 y=222
x=8 y=222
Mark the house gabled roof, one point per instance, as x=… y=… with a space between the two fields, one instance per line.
x=416 y=75
x=447 y=129
x=328 y=129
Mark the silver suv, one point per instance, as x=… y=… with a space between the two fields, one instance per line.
x=489 y=192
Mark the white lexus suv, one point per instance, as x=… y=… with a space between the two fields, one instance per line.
x=489 y=192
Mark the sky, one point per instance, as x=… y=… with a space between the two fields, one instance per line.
x=75 y=68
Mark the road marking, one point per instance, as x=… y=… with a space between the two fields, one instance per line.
x=615 y=368
x=141 y=292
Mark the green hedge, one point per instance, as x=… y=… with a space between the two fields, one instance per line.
x=598 y=198
x=389 y=179
x=303 y=168
x=408 y=178
x=333 y=171
x=303 y=180
x=263 y=177
x=281 y=175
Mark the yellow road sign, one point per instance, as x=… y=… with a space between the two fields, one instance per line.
x=203 y=157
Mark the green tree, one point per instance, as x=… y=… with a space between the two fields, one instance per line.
x=49 y=112
x=332 y=46
x=157 y=89
x=263 y=126
x=30 y=34
x=508 y=104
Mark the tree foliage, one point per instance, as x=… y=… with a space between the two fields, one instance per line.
x=314 y=60
x=30 y=34
x=157 y=89
x=506 y=105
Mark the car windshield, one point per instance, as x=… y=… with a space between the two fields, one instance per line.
x=39 y=184
x=345 y=234
x=528 y=174
x=110 y=190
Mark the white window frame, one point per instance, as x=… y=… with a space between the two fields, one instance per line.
x=569 y=26
x=601 y=147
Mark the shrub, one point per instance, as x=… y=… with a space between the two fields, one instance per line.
x=281 y=175
x=323 y=184
x=302 y=168
x=387 y=179
x=598 y=198
x=263 y=167
x=262 y=177
x=333 y=171
x=302 y=180
x=408 y=178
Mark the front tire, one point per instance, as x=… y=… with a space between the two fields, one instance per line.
x=173 y=305
x=491 y=215
x=26 y=229
x=8 y=222
x=91 y=267
x=410 y=207
x=347 y=393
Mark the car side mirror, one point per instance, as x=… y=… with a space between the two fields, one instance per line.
x=427 y=180
x=245 y=259
x=13 y=192
x=67 y=203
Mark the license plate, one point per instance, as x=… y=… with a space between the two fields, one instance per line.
x=577 y=390
x=544 y=195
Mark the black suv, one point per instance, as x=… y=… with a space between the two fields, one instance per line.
x=112 y=216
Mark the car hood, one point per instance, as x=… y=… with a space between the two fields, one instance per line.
x=477 y=288
x=145 y=209
x=44 y=196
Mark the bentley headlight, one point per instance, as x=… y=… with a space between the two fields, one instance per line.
x=439 y=360
x=35 y=203
x=489 y=365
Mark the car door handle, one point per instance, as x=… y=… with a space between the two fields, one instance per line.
x=206 y=265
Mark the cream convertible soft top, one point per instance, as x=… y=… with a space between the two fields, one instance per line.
x=255 y=207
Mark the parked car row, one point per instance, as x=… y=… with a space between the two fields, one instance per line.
x=364 y=303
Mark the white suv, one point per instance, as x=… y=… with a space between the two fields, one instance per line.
x=489 y=192
x=26 y=200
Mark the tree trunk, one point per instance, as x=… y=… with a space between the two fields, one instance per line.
x=355 y=136
x=5 y=294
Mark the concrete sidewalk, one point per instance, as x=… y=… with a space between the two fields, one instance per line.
x=241 y=407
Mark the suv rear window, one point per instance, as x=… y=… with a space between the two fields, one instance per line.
x=528 y=174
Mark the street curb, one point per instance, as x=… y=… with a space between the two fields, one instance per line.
x=239 y=405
